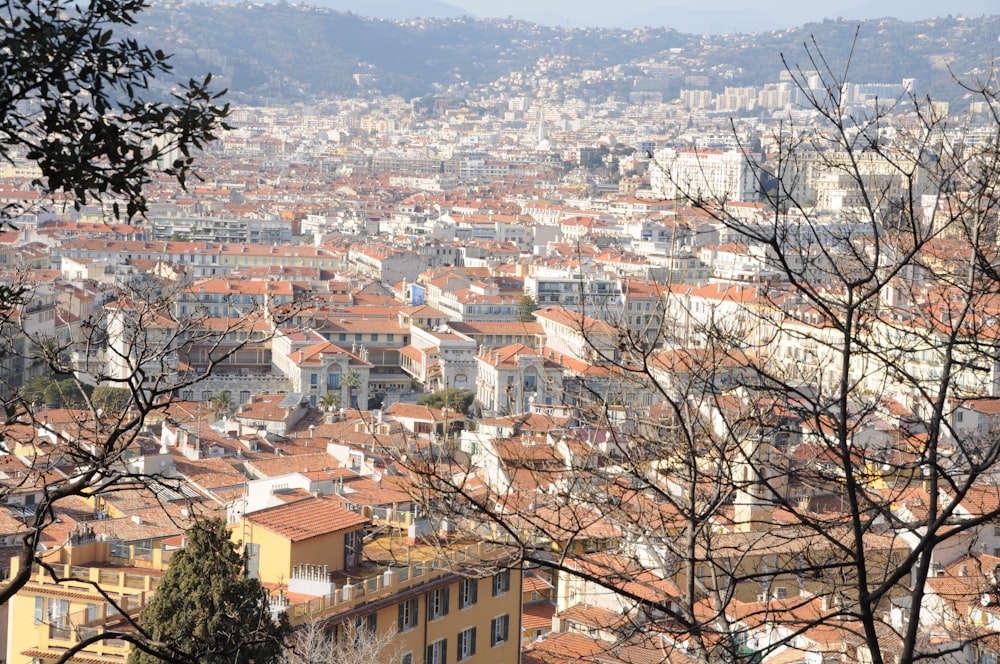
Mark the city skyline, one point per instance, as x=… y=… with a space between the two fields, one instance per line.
x=713 y=17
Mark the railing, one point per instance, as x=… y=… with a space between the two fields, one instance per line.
x=94 y=621
x=387 y=582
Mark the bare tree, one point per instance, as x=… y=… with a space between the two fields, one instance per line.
x=352 y=642
x=804 y=473
x=149 y=357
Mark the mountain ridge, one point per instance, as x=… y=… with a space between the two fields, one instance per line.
x=280 y=52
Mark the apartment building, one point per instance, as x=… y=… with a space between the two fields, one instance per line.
x=459 y=605
x=45 y=617
x=714 y=174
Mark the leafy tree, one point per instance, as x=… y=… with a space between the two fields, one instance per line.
x=223 y=403
x=329 y=401
x=207 y=610
x=111 y=399
x=100 y=117
x=352 y=379
x=451 y=397
x=79 y=102
x=33 y=391
x=57 y=393
x=526 y=308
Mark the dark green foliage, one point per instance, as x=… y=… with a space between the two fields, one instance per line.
x=452 y=397
x=42 y=390
x=112 y=400
x=206 y=610
x=76 y=99
x=526 y=308
x=223 y=403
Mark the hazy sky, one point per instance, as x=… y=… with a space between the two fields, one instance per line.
x=714 y=16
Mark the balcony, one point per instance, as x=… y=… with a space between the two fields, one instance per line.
x=386 y=582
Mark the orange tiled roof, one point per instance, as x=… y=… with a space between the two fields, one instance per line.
x=306 y=519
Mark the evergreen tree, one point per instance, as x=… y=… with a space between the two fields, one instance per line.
x=207 y=610
x=451 y=397
x=526 y=308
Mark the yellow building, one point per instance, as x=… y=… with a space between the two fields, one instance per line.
x=441 y=608
x=314 y=557
x=45 y=618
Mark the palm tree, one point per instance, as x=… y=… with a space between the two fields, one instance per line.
x=329 y=401
x=223 y=403
x=352 y=379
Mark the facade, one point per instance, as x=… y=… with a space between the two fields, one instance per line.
x=513 y=379
x=45 y=618
x=703 y=174
x=440 y=359
x=440 y=612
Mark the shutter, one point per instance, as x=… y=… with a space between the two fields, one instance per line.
x=474 y=595
x=505 y=625
x=400 y=627
x=472 y=644
x=446 y=591
x=253 y=561
x=430 y=654
x=444 y=651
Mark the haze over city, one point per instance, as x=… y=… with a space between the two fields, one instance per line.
x=378 y=333
x=715 y=16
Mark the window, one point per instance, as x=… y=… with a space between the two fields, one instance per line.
x=342 y=336
x=406 y=659
x=314 y=379
x=498 y=629
x=501 y=582
x=437 y=652
x=39 y=609
x=57 y=609
x=352 y=556
x=466 y=643
x=437 y=604
x=390 y=337
x=333 y=381
x=358 y=336
x=468 y=589
x=408 y=614
x=374 y=337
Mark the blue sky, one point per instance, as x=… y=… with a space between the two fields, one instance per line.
x=716 y=16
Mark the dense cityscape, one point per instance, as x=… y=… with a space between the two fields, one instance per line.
x=545 y=370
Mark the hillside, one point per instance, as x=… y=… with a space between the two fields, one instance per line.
x=281 y=52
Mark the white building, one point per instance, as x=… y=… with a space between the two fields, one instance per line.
x=703 y=174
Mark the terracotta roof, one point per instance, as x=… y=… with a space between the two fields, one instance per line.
x=537 y=615
x=306 y=519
